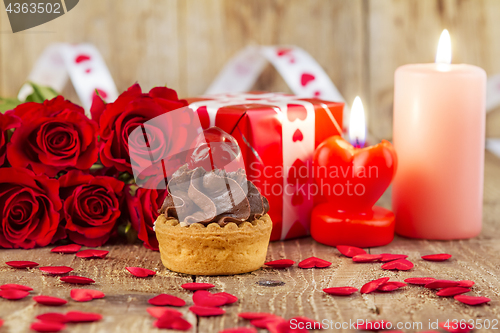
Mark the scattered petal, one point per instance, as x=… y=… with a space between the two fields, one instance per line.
x=67 y=249
x=47 y=326
x=255 y=315
x=391 y=286
x=472 y=300
x=166 y=299
x=363 y=258
x=85 y=295
x=313 y=262
x=206 y=311
x=350 y=251
x=452 y=291
x=56 y=270
x=386 y=257
x=239 y=330
x=197 y=286
x=454 y=327
x=13 y=294
x=463 y=283
x=340 y=291
x=76 y=279
x=373 y=285
x=49 y=300
x=421 y=281
x=230 y=299
x=92 y=254
x=15 y=286
x=173 y=322
x=82 y=317
x=22 y=264
x=437 y=257
x=140 y=272
x=157 y=312
x=206 y=298
x=52 y=317
x=400 y=265
x=438 y=284
x=374 y=325
x=282 y=263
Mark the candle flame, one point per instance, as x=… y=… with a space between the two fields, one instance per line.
x=357 y=126
x=443 y=54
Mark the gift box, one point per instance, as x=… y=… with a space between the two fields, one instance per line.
x=277 y=134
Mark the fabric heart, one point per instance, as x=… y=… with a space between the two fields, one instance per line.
x=13 y=294
x=340 y=291
x=140 y=272
x=166 y=299
x=230 y=299
x=172 y=321
x=391 y=286
x=81 y=58
x=197 y=286
x=76 y=279
x=15 y=286
x=296 y=111
x=22 y=264
x=373 y=285
x=206 y=298
x=82 y=317
x=92 y=254
x=472 y=300
x=56 y=270
x=363 y=258
x=313 y=262
x=350 y=251
x=85 y=295
x=45 y=326
x=386 y=257
x=52 y=317
x=49 y=300
x=206 y=311
x=157 y=312
x=297 y=136
x=306 y=78
x=399 y=265
x=71 y=248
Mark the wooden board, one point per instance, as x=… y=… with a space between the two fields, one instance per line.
x=125 y=304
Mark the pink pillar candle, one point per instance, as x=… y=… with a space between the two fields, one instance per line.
x=439 y=133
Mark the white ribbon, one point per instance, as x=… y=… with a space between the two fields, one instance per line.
x=82 y=63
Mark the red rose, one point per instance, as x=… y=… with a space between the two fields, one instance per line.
x=54 y=136
x=7 y=122
x=91 y=206
x=133 y=108
x=143 y=210
x=30 y=208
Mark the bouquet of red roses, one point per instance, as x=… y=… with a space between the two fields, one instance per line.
x=65 y=176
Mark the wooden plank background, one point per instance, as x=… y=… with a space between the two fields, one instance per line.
x=184 y=43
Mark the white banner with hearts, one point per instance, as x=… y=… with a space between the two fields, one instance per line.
x=82 y=63
x=301 y=72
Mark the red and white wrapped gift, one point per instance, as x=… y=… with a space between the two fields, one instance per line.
x=277 y=134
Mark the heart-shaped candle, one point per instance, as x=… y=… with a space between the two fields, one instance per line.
x=352 y=177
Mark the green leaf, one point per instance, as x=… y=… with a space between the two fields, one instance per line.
x=7 y=104
x=40 y=93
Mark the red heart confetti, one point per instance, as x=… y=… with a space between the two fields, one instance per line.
x=239 y=330
x=92 y=254
x=22 y=264
x=206 y=311
x=52 y=317
x=421 y=281
x=452 y=291
x=206 y=298
x=297 y=135
x=255 y=315
x=400 y=265
x=313 y=262
x=460 y=327
x=15 y=286
x=437 y=257
x=281 y=263
x=49 y=300
x=157 y=312
x=350 y=251
x=266 y=322
x=438 y=284
x=197 y=286
x=463 y=283
x=230 y=299
x=166 y=299
x=363 y=258
x=85 y=295
x=374 y=325
x=472 y=300
x=67 y=249
x=373 y=285
x=391 y=286
x=140 y=272
x=76 y=279
x=386 y=257
x=82 y=317
x=47 y=326
x=306 y=78
x=13 y=294
x=340 y=291
x=173 y=322
x=56 y=270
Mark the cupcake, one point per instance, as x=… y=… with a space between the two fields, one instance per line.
x=213 y=222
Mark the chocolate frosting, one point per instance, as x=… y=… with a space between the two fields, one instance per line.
x=198 y=196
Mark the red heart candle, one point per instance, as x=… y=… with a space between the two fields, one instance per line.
x=352 y=179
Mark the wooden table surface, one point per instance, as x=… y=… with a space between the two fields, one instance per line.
x=125 y=304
